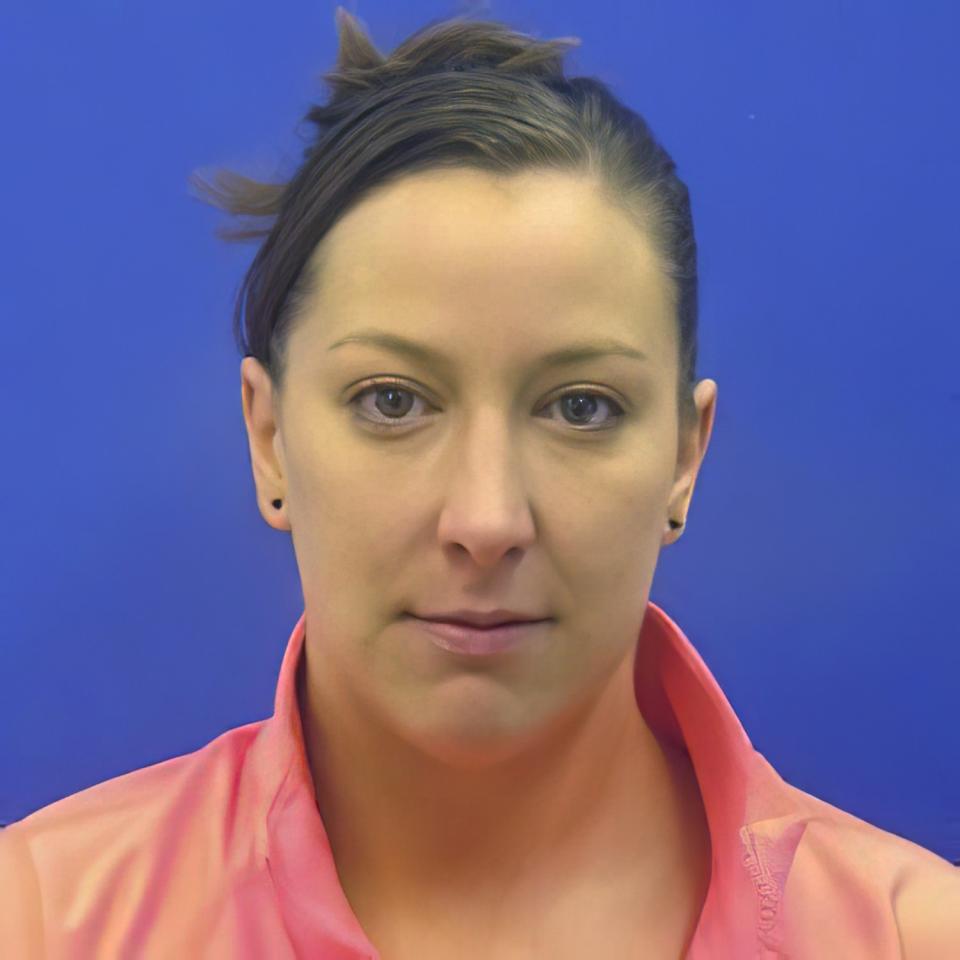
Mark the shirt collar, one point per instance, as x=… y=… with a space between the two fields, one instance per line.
x=754 y=828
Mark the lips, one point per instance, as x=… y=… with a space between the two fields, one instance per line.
x=476 y=641
x=479 y=619
x=489 y=626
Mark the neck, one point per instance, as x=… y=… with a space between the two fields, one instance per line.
x=597 y=797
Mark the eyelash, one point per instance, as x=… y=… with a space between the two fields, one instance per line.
x=386 y=426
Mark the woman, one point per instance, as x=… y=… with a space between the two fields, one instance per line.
x=469 y=389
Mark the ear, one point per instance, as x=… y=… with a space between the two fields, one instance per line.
x=692 y=448
x=264 y=439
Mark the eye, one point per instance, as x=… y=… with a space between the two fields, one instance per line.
x=390 y=413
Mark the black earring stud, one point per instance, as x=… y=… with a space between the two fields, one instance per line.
x=277 y=503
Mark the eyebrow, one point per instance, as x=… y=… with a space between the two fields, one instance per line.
x=575 y=352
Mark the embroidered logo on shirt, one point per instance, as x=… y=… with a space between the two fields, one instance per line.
x=769 y=848
x=768 y=890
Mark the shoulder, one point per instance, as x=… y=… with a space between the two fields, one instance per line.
x=21 y=921
x=124 y=827
x=147 y=792
x=150 y=858
x=849 y=881
x=927 y=908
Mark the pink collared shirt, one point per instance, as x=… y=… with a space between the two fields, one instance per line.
x=221 y=853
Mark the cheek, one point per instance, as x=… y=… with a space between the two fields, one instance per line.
x=623 y=514
x=610 y=547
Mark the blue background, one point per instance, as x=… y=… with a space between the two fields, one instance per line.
x=144 y=603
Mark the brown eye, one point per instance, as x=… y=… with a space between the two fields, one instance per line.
x=572 y=403
x=390 y=402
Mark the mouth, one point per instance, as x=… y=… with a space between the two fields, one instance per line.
x=479 y=619
x=480 y=627
x=471 y=640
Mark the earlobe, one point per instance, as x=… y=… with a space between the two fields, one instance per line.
x=673 y=531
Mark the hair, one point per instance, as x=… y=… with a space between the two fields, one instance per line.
x=461 y=93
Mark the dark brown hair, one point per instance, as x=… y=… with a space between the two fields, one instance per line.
x=460 y=92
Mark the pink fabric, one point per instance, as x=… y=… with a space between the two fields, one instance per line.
x=222 y=852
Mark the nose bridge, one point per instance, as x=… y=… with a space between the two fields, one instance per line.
x=487 y=476
x=488 y=449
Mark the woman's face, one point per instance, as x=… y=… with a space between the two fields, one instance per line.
x=477 y=485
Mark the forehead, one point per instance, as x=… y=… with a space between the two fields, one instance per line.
x=468 y=233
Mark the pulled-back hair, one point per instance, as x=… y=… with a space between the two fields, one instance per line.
x=460 y=92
